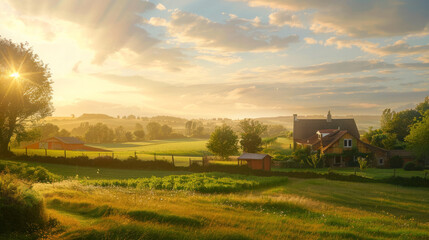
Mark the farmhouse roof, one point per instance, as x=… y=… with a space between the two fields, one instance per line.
x=69 y=140
x=305 y=128
x=252 y=156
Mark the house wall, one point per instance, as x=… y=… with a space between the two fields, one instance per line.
x=338 y=148
x=55 y=144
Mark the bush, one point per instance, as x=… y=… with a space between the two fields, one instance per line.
x=33 y=174
x=21 y=208
x=412 y=166
x=396 y=162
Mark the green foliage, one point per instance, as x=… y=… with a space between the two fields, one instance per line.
x=401 y=122
x=314 y=159
x=275 y=131
x=99 y=133
x=423 y=107
x=202 y=182
x=363 y=163
x=418 y=139
x=21 y=208
x=396 y=162
x=380 y=139
x=251 y=140
x=223 y=142
x=33 y=174
x=23 y=99
x=412 y=166
x=140 y=134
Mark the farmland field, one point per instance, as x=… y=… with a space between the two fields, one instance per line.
x=132 y=204
x=297 y=209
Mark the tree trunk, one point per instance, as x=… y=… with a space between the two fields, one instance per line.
x=4 y=147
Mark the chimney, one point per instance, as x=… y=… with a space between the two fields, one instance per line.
x=329 y=117
x=295 y=117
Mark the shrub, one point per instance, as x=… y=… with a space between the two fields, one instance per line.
x=33 y=174
x=412 y=166
x=396 y=162
x=21 y=208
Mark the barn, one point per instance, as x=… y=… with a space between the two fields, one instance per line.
x=257 y=161
x=63 y=143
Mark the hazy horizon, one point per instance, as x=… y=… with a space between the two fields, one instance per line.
x=235 y=59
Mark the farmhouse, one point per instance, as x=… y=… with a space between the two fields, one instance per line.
x=63 y=143
x=338 y=140
x=257 y=161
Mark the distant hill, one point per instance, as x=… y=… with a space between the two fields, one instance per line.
x=88 y=116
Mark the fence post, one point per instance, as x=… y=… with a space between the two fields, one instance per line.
x=172 y=159
x=65 y=153
x=190 y=162
x=46 y=152
x=113 y=154
x=290 y=146
x=135 y=154
x=203 y=161
x=99 y=154
x=154 y=156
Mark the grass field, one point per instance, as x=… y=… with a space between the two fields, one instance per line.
x=249 y=207
x=68 y=171
x=298 y=209
x=375 y=173
x=179 y=147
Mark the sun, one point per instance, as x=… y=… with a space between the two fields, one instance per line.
x=15 y=75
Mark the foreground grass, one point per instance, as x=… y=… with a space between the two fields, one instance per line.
x=298 y=209
x=375 y=173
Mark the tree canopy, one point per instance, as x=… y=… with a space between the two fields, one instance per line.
x=25 y=90
x=223 y=142
x=418 y=139
x=251 y=140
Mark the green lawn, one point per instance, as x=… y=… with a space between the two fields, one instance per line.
x=376 y=173
x=180 y=147
x=68 y=171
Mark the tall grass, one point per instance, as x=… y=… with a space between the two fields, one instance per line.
x=21 y=208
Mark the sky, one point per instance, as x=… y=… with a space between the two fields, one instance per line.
x=234 y=58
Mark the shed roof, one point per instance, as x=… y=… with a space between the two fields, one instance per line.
x=69 y=140
x=305 y=128
x=252 y=156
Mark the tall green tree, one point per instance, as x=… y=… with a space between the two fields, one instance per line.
x=251 y=140
x=153 y=130
x=418 y=139
x=25 y=90
x=223 y=142
x=401 y=122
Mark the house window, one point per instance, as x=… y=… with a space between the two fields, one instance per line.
x=381 y=161
x=347 y=143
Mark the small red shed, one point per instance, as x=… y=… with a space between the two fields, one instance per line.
x=257 y=161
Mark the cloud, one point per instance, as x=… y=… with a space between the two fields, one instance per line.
x=222 y=59
x=342 y=67
x=309 y=40
x=106 y=26
x=160 y=7
x=359 y=18
x=400 y=47
x=236 y=35
x=282 y=18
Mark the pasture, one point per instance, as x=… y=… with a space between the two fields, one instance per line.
x=296 y=209
x=133 y=204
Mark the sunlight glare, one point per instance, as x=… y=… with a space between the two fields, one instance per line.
x=14 y=75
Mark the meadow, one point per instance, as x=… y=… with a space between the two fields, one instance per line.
x=167 y=205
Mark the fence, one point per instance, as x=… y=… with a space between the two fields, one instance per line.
x=179 y=161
